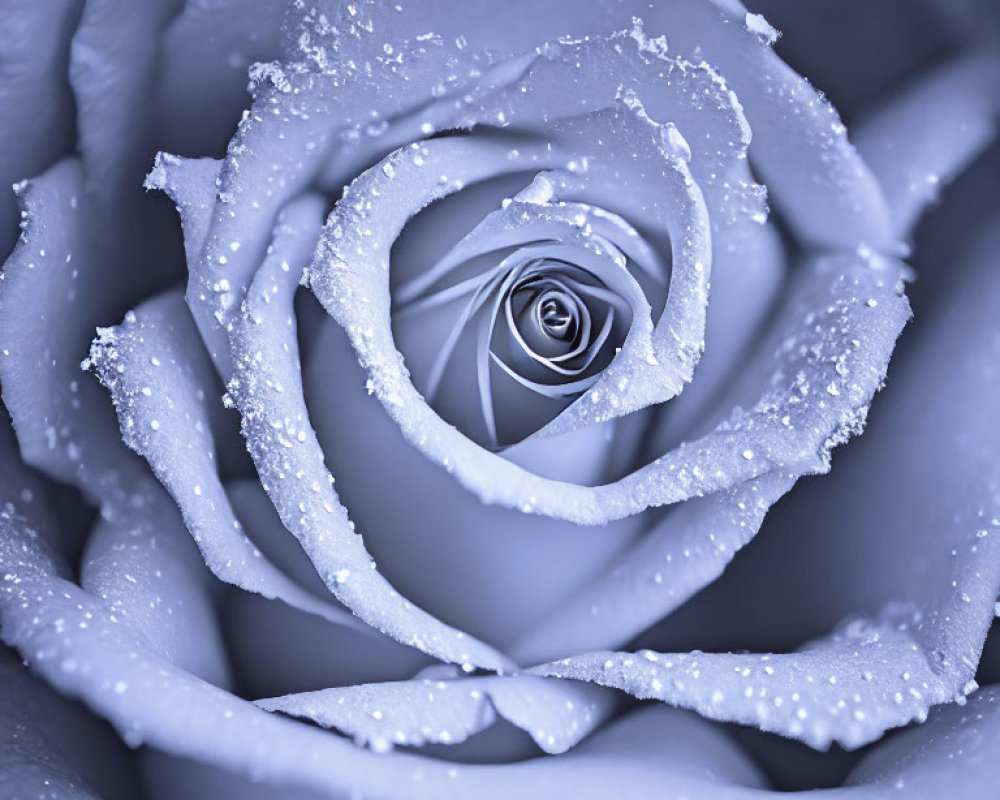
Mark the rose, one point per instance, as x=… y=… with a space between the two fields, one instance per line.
x=140 y=390
x=105 y=575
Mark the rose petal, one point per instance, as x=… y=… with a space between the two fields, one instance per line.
x=939 y=557
x=851 y=687
x=140 y=561
x=113 y=63
x=826 y=370
x=267 y=388
x=800 y=144
x=167 y=777
x=35 y=101
x=192 y=185
x=24 y=489
x=263 y=526
x=51 y=748
x=923 y=479
x=699 y=760
x=280 y=147
x=202 y=76
x=151 y=701
x=491 y=570
x=680 y=555
x=929 y=132
x=952 y=755
x=158 y=384
x=276 y=649
x=52 y=290
x=420 y=711
x=747 y=260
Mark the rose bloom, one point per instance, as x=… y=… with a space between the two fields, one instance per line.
x=474 y=432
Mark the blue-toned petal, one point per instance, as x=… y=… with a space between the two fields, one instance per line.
x=193 y=186
x=910 y=512
x=808 y=389
x=920 y=139
x=152 y=702
x=114 y=60
x=800 y=146
x=490 y=570
x=24 y=489
x=141 y=562
x=53 y=288
x=868 y=676
x=954 y=755
x=295 y=128
x=205 y=55
x=160 y=382
x=680 y=555
x=50 y=748
x=36 y=105
x=267 y=388
x=447 y=711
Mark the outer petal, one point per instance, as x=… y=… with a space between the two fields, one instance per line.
x=449 y=711
x=683 y=553
x=51 y=293
x=929 y=132
x=149 y=700
x=911 y=515
x=49 y=748
x=267 y=388
x=35 y=102
x=800 y=143
x=953 y=755
x=113 y=62
x=201 y=81
x=849 y=688
x=141 y=562
x=159 y=386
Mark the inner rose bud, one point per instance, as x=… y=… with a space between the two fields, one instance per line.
x=534 y=331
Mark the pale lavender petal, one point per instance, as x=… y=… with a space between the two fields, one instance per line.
x=150 y=701
x=675 y=86
x=161 y=383
x=277 y=649
x=811 y=404
x=50 y=294
x=939 y=559
x=865 y=678
x=142 y=564
x=114 y=57
x=910 y=513
x=267 y=388
x=700 y=762
x=448 y=711
x=24 y=489
x=296 y=125
x=490 y=570
x=800 y=145
x=919 y=140
x=953 y=755
x=680 y=555
x=49 y=748
x=167 y=777
x=202 y=76
x=192 y=185
x=36 y=105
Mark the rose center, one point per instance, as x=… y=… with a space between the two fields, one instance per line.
x=549 y=316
